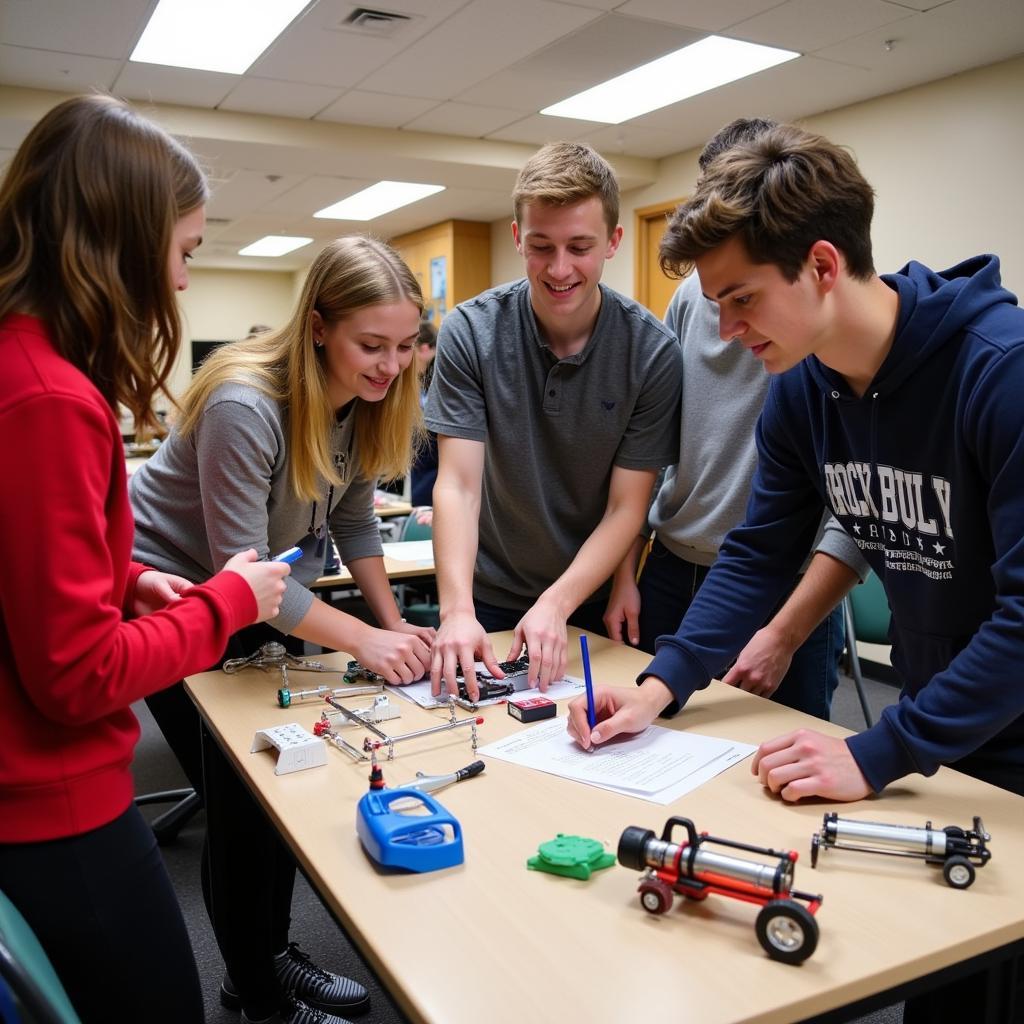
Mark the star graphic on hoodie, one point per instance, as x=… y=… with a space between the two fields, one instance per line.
x=940 y=549
x=856 y=528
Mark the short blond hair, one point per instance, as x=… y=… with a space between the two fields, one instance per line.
x=563 y=173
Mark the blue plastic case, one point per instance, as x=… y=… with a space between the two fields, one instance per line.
x=422 y=836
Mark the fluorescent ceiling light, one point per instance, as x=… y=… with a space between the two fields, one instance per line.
x=274 y=245
x=694 y=69
x=213 y=35
x=378 y=199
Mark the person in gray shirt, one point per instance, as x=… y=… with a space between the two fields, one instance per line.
x=794 y=659
x=281 y=440
x=555 y=400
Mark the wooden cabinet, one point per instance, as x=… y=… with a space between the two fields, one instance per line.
x=451 y=260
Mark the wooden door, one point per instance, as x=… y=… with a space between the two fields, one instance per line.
x=652 y=288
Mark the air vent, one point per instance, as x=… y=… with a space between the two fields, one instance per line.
x=216 y=222
x=375 y=23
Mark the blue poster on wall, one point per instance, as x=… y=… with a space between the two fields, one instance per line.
x=439 y=277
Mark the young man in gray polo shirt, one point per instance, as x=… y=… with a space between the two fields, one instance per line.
x=555 y=401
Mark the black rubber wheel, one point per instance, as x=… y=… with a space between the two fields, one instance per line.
x=787 y=931
x=655 y=896
x=632 y=843
x=958 y=872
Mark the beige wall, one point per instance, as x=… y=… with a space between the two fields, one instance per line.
x=506 y=263
x=222 y=305
x=945 y=160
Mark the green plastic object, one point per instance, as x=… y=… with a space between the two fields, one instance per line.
x=571 y=857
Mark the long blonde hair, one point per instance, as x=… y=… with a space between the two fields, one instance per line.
x=87 y=210
x=350 y=273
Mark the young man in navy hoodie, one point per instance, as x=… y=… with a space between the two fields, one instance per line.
x=895 y=403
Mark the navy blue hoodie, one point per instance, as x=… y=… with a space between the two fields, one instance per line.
x=926 y=472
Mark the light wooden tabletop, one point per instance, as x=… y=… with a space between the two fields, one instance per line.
x=490 y=940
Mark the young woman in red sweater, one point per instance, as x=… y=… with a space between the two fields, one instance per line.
x=99 y=210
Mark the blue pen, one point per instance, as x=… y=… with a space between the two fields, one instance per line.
x=589 y=682
x=289 y=556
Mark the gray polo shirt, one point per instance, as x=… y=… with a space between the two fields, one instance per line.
x=553 y=429
x=225 y=488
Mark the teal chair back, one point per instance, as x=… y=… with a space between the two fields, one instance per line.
x=418 y=612
x=28 y=973
x=870 y=611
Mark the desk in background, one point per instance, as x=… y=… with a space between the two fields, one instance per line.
x=396 y=568
x=491 y=940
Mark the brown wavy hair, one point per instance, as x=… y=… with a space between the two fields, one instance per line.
x=350 y=273
x=779 y=193
x=87 y=209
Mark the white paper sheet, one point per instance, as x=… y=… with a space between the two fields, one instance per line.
x=659 y=765
x=410 y=550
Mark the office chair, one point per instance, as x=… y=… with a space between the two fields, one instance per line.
x=166 y=826
x=425 y=612
x=867 y=615
x=27 y=973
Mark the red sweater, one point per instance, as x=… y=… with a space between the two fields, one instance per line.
x=71 y=658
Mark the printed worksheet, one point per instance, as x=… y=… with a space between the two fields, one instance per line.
x=658 y=764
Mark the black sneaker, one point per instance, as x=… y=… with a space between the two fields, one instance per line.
x=297 y=1012
x=320 y=989
x=301 y=978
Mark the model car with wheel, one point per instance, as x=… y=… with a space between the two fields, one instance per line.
x=785 y=926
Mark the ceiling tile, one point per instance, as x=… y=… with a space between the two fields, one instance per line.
x=47 y=69
x=483 y=37
x=808 y=25
x=107 y=29
x=788 y=92
x=919 y=5
x=375 y=108
x=599 y=51
x=156 y=83
x=307 y=196
x=710 y=17
x=539 y=129
x=465 y=119
x=319 y=49
x=920 y=50
x=611 y=140
x=282 y=99
x=599 y=5
x=248 y=190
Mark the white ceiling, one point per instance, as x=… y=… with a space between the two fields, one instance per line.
x=451 y=96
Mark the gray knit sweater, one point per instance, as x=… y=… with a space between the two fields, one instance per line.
x=225 y=488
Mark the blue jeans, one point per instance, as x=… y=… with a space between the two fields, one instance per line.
x=668 y=585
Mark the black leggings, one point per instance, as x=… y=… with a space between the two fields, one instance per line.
x=248 y=873
x=104 y=911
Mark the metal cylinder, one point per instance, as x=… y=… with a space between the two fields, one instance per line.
x=661 y=855
x=928 y=841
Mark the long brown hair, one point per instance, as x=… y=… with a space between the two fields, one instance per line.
x=87 y=210
x=350 y=273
